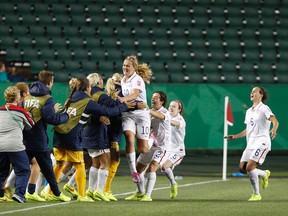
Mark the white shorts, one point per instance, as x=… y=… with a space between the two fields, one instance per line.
x=258 y=155
x=158 y=154
x=175 y=159
x=97 y=152
x=138 y=122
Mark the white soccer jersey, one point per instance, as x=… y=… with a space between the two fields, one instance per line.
x=134 y=82
x=258 y=126
x=178 y=135
x=137 y=121
x=162 y=129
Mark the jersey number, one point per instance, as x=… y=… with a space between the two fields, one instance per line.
x=145 y=130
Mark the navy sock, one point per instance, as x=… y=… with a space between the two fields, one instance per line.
x=31 y=188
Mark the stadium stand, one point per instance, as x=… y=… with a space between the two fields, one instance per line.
x=226 y=41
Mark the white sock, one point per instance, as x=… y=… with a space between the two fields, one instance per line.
x=93 y=176
x=39 y=183
x=151 y=177
x=72 y=180
x=11 y=179
x=141 y=184
x=260 y=173
x=170 y=175
x=102 y=177
x=72 y=170
x=62 y=177
x=253 y=176
x=131 y=157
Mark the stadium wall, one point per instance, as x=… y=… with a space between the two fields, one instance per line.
x=204 y=111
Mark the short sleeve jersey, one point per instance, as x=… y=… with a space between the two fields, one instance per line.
x=178 y=135
x=258 y=126
x=134 y=82
x=161 y=128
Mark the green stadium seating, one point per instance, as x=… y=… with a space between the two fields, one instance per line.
x=198 y=34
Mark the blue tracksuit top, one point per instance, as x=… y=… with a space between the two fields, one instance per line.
x=95 y=134
x=36 y=139
x=72 y=140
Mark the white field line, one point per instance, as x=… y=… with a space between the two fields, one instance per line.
x=122 y=194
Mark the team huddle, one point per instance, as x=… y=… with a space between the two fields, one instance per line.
x=87 y=134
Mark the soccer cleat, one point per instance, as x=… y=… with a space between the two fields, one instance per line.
x=255 y=197
x=265 y=179
x=101 y=196
x=173 y=191
x=8 y=191
x=71 y=190
x=146 y=198
x=44 y=194
x=34 y=197
x=5 y=198
x=61 y=197
x=110 y=196
x=135 y=197
x=136 y=177
x=18 y=199
x=89 y=193
x=84 y=199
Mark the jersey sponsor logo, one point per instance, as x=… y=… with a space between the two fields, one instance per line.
x=72 y=111
x=34 y=103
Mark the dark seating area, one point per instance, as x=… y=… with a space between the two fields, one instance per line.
x=199 y=41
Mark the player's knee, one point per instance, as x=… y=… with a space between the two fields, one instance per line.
x=243 y=168
x=143 y=149
x=60 y=163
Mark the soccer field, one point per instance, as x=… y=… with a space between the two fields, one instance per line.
x=196 y=196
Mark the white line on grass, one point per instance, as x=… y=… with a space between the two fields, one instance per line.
x=122 y=194
x=184 y=185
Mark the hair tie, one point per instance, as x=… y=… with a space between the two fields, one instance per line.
x=179 y=104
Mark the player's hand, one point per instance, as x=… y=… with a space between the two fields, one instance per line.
x=121 y=99
x=272 y=134
x=130 y=104
x=142 y=105
x=229 y=137
x=105 y=120
x=57 y=107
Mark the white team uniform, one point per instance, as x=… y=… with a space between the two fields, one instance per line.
x=161 y=130
x=137 y=121
x=177 y=151
x=257 y=133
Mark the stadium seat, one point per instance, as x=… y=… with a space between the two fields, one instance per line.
x=72 y=66
x=178 y=78
x=61 y=76
x=160 y=78
x=77 y=74
x=89 y=67
x=55 y=66
x=37 y=66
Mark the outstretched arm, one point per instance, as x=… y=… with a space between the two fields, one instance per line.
x=236 y=136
